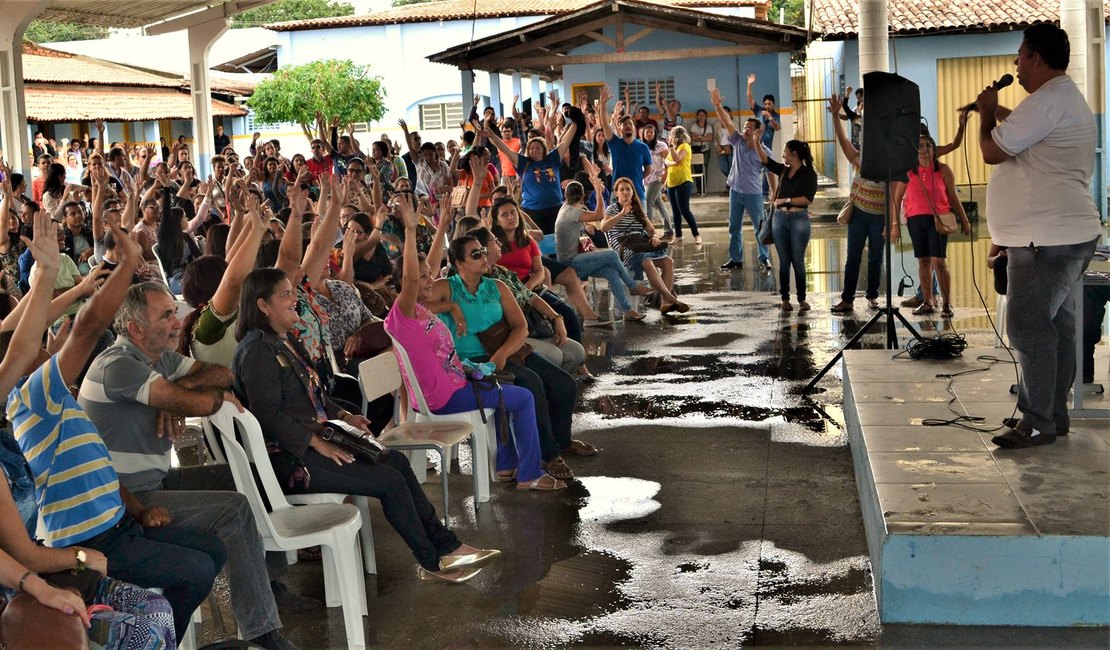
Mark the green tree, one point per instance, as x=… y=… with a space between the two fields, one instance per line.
x=47 y=31
x=795 y=12
x=340 y=90
x=284 y=10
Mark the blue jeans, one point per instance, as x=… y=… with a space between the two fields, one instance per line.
x=865 y=227
x=606 y=264
x=724 y=163
x=654 y=207
x=523 y=454
x=680 y=207
x=791 y=232
x=181 y=561
x=737 y=204
x=1045 y=284
x=555 y=393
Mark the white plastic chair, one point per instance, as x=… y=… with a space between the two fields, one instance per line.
x=381 y=375
x=697 y=171
x=332 y=526
x=484 y=435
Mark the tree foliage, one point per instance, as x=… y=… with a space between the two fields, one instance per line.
x=795 y=12
x=284 y=10
x=47 y=31
x=341 y=90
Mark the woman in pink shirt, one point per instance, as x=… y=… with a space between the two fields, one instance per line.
x=931 y=190
x=431 y=351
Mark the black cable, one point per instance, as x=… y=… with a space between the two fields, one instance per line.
x=962 y=418
x=944 y=346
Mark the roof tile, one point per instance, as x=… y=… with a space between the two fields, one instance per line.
x=51 y=66
x=838 y=18
x=466 y=9
x=65 y=103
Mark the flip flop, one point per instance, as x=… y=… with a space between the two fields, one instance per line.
x=579 y=448
x=559 y=469
x=545 y=483
x=597 y=323
x=506 y=477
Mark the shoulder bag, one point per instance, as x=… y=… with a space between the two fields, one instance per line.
x=359 y=443
x=945 y=223
x=640 y=242
x=765 y=235
x=494 y=336
x=538 y=326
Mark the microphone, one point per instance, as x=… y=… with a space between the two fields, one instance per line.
x=1003 y=81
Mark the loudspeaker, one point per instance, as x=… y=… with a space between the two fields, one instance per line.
x=891 y=127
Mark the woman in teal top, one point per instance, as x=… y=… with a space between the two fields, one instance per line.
x=468 y=302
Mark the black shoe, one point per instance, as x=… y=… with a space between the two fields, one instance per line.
x=289 y=602
x=1061 y=430
x=273 y=640
x=732 y=264
x=1018 y=439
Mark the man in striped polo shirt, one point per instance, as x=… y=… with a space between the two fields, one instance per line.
x=138 y=392
x=80 y=496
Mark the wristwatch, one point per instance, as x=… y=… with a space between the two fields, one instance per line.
x=79 y=560
x=789 y=203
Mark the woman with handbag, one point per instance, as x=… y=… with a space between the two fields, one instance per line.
x=593 y=263
x=445 y=384
x=790 y=219
x=493 y=329
x=632 y=235
x=276 y=381
x=930 y=204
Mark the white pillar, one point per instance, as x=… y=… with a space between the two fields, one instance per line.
x=873 y=56
x=14 y=138
x=201 y=37
x=495 y=93
x=466 y=77
x=1086 y=29
x=537 y=94
x=516 y=90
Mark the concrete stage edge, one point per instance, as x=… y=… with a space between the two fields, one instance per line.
x=959 y=531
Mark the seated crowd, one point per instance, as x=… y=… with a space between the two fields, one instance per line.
x=292 y=271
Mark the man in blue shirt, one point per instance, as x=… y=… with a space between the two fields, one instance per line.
x=630 y=157
x=744 y=181
x=771 y=123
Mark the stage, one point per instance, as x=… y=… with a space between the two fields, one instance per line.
x=960 y=531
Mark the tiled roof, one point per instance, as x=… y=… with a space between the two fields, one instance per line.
x=51 y=66
x=466 y=9
x=72 y=103
x=838 y=18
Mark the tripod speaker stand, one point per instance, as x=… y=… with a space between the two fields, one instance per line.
x=891 y=128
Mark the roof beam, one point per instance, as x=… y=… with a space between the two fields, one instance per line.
x=533 y=44
x=638 y=35
x=602 y=38
x=657 y=55
x=226 y=10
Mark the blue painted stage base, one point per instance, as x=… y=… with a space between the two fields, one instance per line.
x=951 y=566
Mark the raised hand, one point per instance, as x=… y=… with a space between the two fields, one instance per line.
x=100 y=127
x=604 y=95
x=404 y=125
x=751 y=78
x=835 y=104
x=715 y=97
x=618 y=108
x=44 y=246
x=409 y=216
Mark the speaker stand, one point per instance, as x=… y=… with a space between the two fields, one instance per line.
x=889 y=311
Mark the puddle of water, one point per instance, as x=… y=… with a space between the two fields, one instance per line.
x=654 y=407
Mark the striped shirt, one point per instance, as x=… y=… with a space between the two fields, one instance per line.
x=868 y=196
x=627 y=225
x=116 y=395
x=75 y=483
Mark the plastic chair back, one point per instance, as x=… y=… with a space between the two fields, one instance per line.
x=380 y=375
x=416 y=395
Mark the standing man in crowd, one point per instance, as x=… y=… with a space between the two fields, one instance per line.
x=1039 y=206
x=222 y=140
x=743 y=185
x=631 y=158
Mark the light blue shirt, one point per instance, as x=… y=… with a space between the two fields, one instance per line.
x=746 y=175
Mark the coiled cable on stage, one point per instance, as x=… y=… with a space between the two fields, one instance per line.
x=944 y=346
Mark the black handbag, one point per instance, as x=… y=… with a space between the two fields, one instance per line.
x=538 y=326
x=358 y=443
x=640 y=242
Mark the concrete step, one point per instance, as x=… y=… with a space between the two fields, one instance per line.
x=712 y=209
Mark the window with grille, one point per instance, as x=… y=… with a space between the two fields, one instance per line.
x=254 y=125
x=641 y=92
x=440 y=116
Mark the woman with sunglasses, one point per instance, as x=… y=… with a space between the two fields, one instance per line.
x=476 y=303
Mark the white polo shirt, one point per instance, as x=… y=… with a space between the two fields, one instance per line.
x=1042 y=195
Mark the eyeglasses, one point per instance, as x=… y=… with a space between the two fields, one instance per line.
x=477 y=253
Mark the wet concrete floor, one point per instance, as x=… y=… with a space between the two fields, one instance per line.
x=721 y=511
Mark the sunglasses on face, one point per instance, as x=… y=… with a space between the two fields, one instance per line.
x=477 y=253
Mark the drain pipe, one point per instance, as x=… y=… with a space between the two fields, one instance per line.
x=1083 y=20
x=873 y=53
